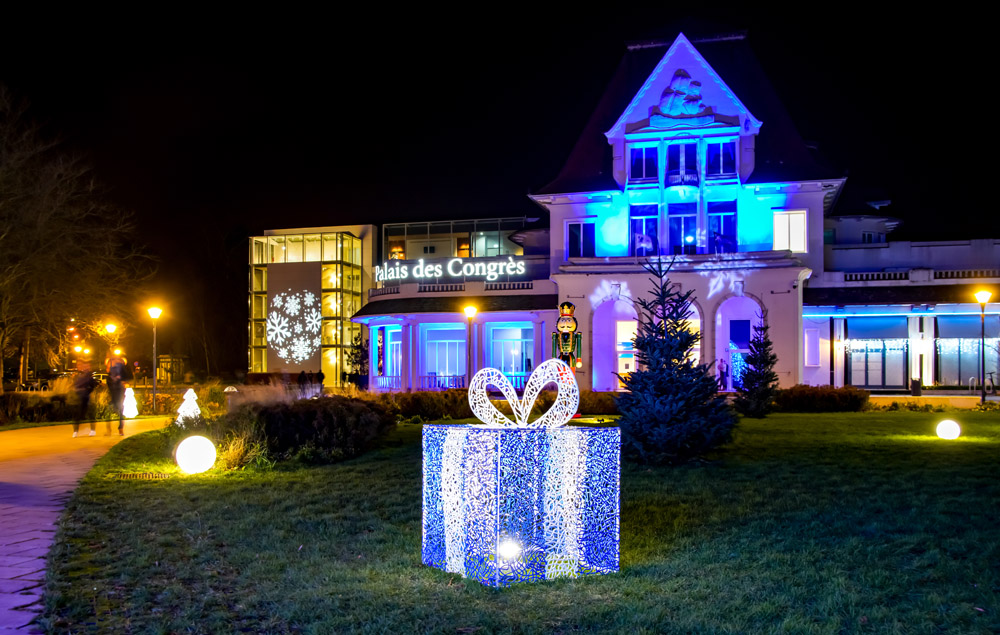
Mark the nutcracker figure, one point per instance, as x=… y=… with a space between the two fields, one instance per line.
x=567 y=344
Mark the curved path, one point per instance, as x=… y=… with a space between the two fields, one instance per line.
x=39 y=469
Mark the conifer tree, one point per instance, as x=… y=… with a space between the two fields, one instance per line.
x=755 y=396
x=671 y=411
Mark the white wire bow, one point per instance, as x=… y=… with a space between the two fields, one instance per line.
x=548 y=372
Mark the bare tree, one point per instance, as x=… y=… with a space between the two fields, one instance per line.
x=64 y=252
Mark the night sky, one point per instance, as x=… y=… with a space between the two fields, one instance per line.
x=211 y=129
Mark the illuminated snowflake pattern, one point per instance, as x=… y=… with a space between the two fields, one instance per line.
x=293 y=329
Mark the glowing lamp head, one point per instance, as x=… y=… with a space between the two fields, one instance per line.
x=948 y=429
x=509 y=549
x=579 y=364
x=118 y=351
x=470 y=311
x=154 y=311
x=689 y=239
x=110 y=327
x=195 y=455
x=982 y=297
x=78 y=349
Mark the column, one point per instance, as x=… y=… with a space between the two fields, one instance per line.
x=406 y=358
x=538 y=335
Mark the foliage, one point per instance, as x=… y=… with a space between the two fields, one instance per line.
x=591 y=403
x=670 y=412
x=755 y=395
x=804 y=398
x=357 y=355
x=64 y=252
x=840 y=523
x=428 y=405
x=326 y=429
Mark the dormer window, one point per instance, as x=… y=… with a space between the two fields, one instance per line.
x=682 y=164
x=721 y=159
x=642 y=164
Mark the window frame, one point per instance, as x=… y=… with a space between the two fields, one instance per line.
x=686 y=175
x=583 y=238
x=786 y=216
x=645 y=148
x=721 y=174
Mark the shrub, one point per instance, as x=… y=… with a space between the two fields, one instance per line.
x=314 y=430
x=429 y=406
x=803 y=398
x=591 y=403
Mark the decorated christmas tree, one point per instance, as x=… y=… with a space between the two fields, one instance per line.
x=755 y=394
x=188 y=413
x=671 y=411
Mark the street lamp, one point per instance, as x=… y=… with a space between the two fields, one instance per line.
x=982 y=297
x=154 y=313
x=470 y=312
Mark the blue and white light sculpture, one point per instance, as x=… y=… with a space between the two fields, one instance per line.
x=513 y=501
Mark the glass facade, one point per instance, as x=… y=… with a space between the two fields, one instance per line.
x=482 y=238
x=341 y=283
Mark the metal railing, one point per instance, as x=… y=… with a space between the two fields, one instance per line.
x=374 y=293
x=441 y=382
x=874 y=276
x=387 y=382
x=439 y=287
x=952 y=274
x=509 y=286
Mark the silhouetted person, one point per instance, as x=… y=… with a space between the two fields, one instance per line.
x=83 y=385
x=116 y=367
x=301 y=381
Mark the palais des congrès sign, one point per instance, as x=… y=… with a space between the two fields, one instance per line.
x=454 y=268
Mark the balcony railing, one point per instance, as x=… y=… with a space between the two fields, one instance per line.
x=374 y=293
x=952 y=274
x=441 y=382
x=438 y=288
x=509 y=286
x=875 y=276
x=387 y=382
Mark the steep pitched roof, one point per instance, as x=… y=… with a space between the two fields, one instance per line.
x=781 y=154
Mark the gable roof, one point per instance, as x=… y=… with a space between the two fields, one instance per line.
x=680 y=52
x=781 y=154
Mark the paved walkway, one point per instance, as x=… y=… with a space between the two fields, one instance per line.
x=39 y=469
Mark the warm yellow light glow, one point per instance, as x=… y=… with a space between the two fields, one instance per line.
x=110 y=328
x=86 y=351
x=509 y=549
x=470 y=311
x=77 y=348
x=118 y=351
x=982 y=297
x=195 y=455
x=154 y=311
x=948 y=429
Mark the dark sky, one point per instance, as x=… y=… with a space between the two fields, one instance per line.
x=221 y=126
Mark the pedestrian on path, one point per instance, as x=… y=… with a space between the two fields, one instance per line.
x=83 y=384
x=117 y=368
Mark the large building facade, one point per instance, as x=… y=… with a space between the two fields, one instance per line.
x=690 y=158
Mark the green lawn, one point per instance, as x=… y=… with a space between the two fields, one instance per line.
x=807 y=524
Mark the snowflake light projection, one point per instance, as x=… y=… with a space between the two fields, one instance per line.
x=293 y=325
x=519 y=501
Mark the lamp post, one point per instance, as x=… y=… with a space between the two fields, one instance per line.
x=154 y=312
x=982 y=297
x=470 y=312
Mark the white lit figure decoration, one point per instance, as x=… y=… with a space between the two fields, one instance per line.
x=130 y=410
x=293 y=325
x=519 y=501
x=189 y=411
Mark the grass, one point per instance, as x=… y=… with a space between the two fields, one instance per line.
x=805 y=524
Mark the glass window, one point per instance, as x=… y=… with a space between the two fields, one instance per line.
x=276 y=249
x=643 y=164
x=511 y=346
x=721 y=159
x=722 y=227
x=644 y=235
x=313 y=248
x=293 y=249
x=790 y=231
x=625 y=331
x=259 y=279
x=811 y=346
x=682 y=164
x=683 y=228
x=393 y=357
x=259 y=249
x=445 y=353
x=580 y=240
x=829 y=236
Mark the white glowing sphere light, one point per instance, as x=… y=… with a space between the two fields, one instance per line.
x=948 y=429
x=195 y=455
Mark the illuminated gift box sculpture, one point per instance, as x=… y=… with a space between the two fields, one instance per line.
x=516 y=502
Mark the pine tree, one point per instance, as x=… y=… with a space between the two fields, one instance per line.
x=755 y=397
x=671 y=411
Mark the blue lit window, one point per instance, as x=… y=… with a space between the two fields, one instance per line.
x=642 y=166
x=580 y=240
x=510 y=346
x=683 y=227
x=444 y=356
x=872 y=237
x=643 y=222
x=721 y=159
x=722 y=227
x=682 y=164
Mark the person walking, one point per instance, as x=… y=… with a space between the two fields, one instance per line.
x=83 y=385
x=116 y=367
